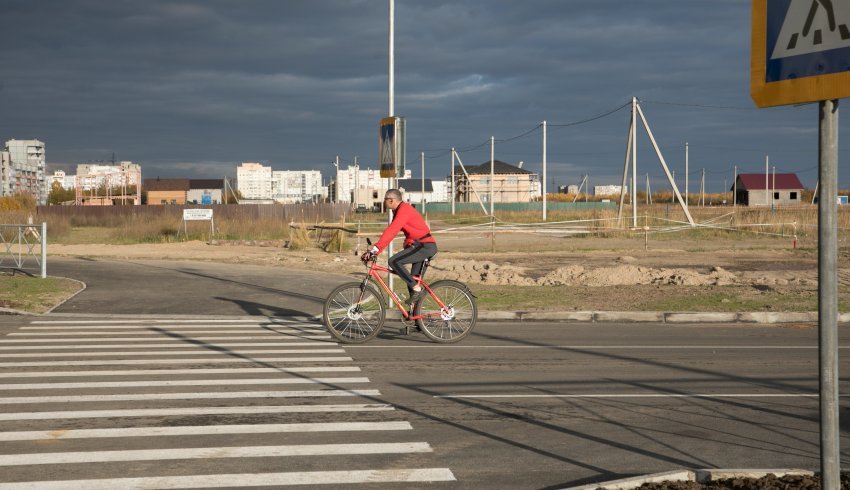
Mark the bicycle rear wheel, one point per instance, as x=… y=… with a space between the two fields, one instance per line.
x=455 y=321
x=353 y=316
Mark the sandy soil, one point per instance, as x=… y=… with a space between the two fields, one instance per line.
x=528 y=260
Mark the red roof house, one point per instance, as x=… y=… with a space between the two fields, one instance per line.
x=776 y=190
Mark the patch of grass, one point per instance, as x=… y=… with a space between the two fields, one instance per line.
x=730 y=300
x=34 y=294
x=646 y=298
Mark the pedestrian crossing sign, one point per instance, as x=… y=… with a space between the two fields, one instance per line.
x=800 y=51
x=391 y=151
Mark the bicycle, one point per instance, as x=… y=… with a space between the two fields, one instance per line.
x=354 y=312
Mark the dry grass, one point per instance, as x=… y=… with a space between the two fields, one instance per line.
x=299 y=238
x=668 y=220
x=664 y=220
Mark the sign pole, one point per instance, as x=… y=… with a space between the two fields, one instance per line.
x=391 y=98
x=454 y=190
x=797 y=56
x=828 y=293
x=543 y=184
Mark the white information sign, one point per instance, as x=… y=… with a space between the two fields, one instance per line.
x=197 y=214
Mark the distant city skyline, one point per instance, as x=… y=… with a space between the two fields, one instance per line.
x=193 y=89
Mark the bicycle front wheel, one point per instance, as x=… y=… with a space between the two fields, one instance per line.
x=455 y=320
x=354 y=313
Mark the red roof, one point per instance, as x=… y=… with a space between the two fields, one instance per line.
x=751 y=182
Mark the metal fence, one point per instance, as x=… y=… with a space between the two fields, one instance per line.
x=24 y=247
x=444 y=207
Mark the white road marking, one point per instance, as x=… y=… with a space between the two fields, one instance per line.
x=160 y=333
x=209 y=351
x=647 y=395
x=173 y=345
x=159 y=320
x=594 y=347
x=248 y=326
x=160 y=338
x=172 y=372
x=245 y=480
x=194 y=430
x=213 y=452
x=165 y=412
x=10 y=400
x=148 y=362
x=180 y=382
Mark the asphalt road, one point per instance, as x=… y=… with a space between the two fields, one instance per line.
x=192 y=288
x=532 y=405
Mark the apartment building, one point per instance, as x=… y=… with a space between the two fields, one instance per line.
x=367 y=182
x=257 y=181
x=296 y=186
x=66 y=181
x=254 y=181
x=22 y=169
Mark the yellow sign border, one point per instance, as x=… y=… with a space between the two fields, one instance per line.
x=784 y=92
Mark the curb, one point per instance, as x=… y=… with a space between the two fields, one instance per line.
x=672 y=317
x=83 y=288
x=699 y=476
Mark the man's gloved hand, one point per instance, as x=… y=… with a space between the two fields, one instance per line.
x=369 y=254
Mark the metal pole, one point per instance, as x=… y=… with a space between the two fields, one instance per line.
x=634 y=162
x=391 y=100
x=773 y=189
x=735 y=189
x=336 y=187
x=454 y=190
x=391 y=67
x=43 y=250
x=492 y=172
x=422 y=198
x=625 y=176
x=686 y=173
x=828 y=293
x=543 y=187
x=766 y=186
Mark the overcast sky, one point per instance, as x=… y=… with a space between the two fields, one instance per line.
x=193 y=88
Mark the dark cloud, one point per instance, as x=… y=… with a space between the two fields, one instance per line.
x=192 y=88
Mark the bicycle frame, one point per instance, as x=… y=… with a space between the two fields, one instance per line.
x=375 y=271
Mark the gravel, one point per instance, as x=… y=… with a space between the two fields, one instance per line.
x=769 y=482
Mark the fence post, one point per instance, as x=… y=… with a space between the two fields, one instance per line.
x=43 y=250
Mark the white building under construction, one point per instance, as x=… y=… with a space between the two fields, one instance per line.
x=104 y=184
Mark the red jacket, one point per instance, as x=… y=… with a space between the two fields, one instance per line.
x=407 y=220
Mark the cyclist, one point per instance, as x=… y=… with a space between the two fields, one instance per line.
x=418 y=242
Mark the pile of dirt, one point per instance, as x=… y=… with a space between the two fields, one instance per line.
x=625 y=274
x=768 y=482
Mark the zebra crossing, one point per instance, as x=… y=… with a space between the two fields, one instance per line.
x=193 y=403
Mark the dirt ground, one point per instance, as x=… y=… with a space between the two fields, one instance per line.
x=639 y=271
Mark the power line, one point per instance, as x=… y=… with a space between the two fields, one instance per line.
x=708 y=106
x=590 y=119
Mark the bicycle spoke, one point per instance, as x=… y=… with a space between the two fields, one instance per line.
x=455 y=319
x=354 y=313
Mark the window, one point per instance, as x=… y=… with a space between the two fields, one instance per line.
x=775 y=196
x=163 y=201
x=793 y=196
